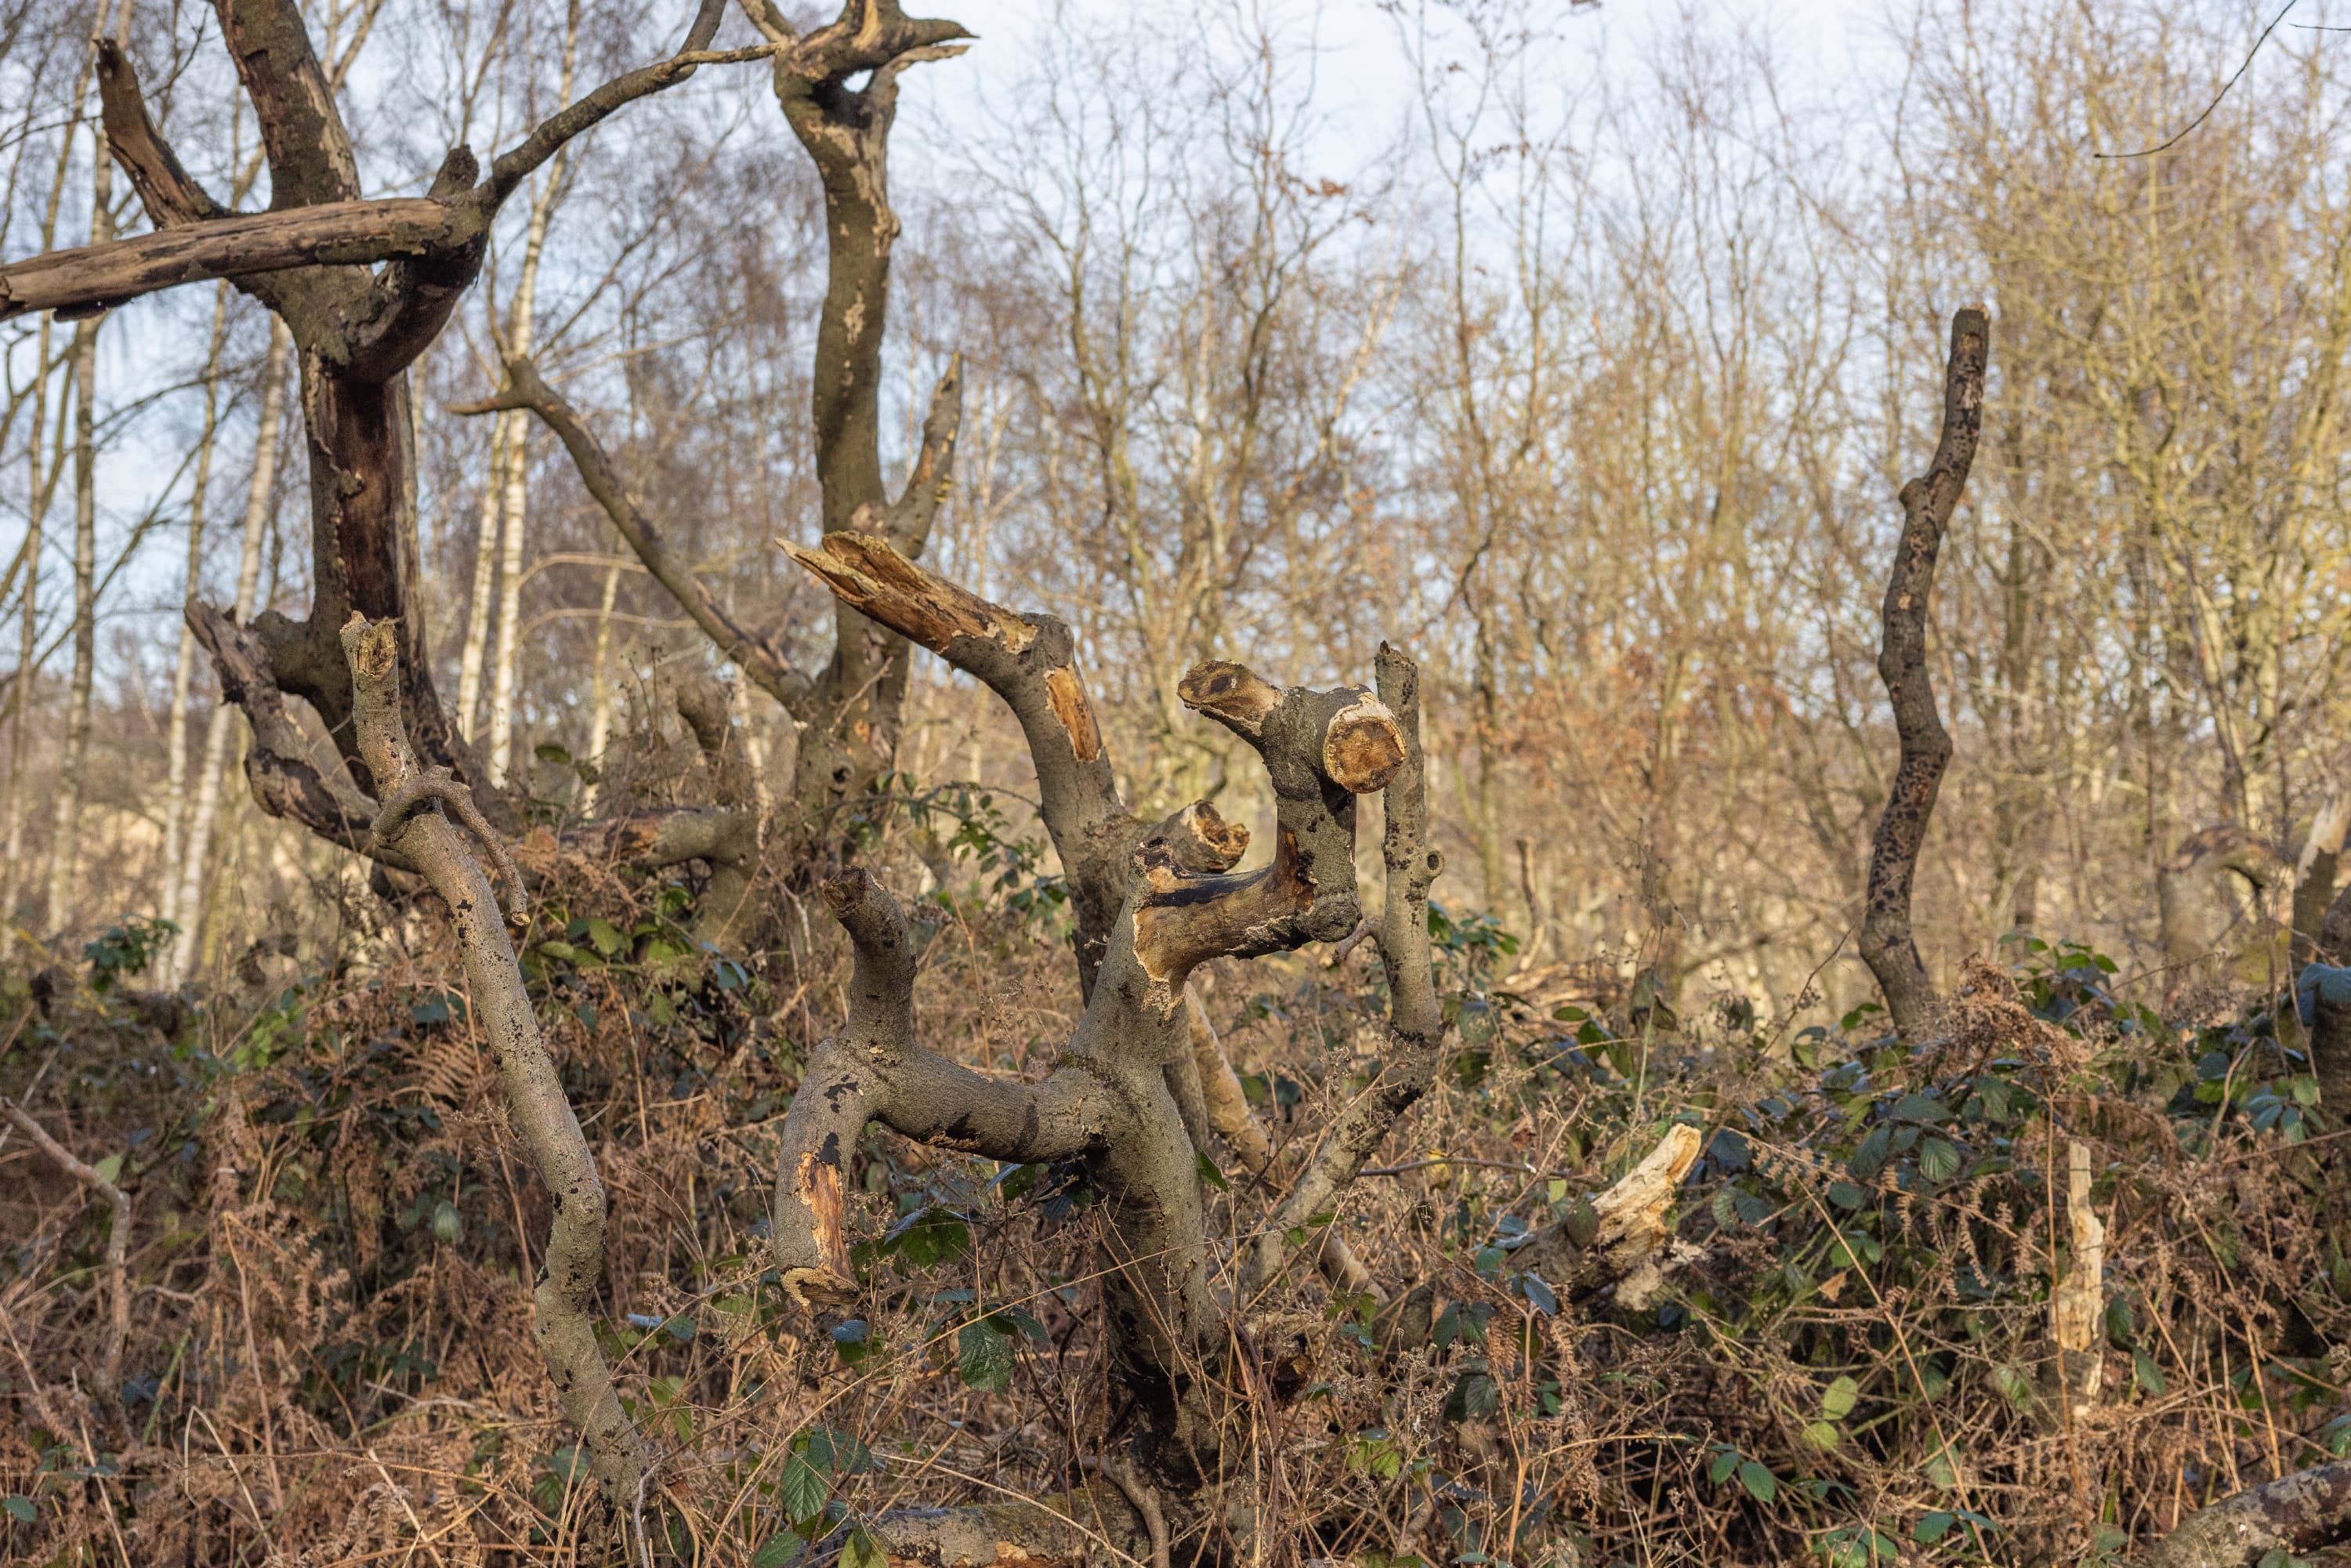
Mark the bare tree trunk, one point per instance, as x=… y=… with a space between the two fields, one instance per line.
x=180 y=959
x=510 y=554
x=64 y=842
x=472 y=656
x=600 y=713
x=1928 y=503
x=521 y=322
x=65 y=838
x=176 y=742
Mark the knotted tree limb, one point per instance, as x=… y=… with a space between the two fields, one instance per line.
x=1928 y=503
x=541 y=1115
x=1320 y=750
x=1416 y=1020
x=874 y=1070
x=118 y=1252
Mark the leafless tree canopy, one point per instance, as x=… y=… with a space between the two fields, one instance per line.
x=1467 y=781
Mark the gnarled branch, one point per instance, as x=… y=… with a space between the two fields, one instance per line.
x=1928 y=502
x=1416 y=1020
x=875 y=1070
x=2296 y=1514
x=542 y=1116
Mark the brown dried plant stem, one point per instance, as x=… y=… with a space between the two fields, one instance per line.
x=1928 y=502
x=412 y=824
x=117 y=1251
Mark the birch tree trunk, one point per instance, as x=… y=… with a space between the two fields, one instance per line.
x=485 y=562
x=176 y=792
x=518 y=471
x=65 y=840
x=180 y=958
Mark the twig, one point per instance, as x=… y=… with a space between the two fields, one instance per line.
x=117 y=1247
x=2174 y=139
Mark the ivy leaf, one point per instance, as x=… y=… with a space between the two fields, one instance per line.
x=1838 y=1403
x=21 y=1508
x=1760 y=1482
x=1824 y=1435
x=2148 y=1376
x=1934 y=1526
x=1209 y=1173
x=1540 y=1295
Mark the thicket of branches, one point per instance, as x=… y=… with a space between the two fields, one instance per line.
x=577 y=1051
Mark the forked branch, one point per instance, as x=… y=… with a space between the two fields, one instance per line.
x=875 y=1070
x=1928 y=503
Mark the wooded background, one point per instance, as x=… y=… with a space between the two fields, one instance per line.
x=1586 y=366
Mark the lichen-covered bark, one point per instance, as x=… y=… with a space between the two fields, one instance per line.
x=1928 y=502
x=2296 y=1514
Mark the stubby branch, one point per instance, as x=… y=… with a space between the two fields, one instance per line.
x=1928 y=503
x=1416 y=1020
x=875 y=1070
x=541 y=1115
x=1321 y=750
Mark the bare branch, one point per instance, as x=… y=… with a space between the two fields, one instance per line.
x=758 y=656
x=541 y=1114
x=170 y=195
x=1928 y=503
x=874 y=1071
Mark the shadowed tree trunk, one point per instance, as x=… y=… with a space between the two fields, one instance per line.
x=1928 y=502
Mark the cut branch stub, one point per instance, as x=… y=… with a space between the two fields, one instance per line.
x=1928 y=503
x=1320 y=750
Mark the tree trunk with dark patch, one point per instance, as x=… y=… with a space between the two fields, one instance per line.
x=1928 y=502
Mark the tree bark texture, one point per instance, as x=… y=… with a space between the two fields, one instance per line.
x=1928 y=503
